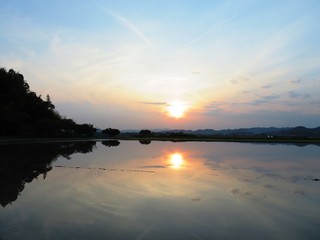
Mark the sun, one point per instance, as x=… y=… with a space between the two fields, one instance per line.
x=176 y=109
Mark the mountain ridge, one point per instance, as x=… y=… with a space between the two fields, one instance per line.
x=298 y=131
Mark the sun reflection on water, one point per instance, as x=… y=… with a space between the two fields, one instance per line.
x=176 y=160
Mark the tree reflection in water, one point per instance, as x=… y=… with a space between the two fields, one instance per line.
x=111 y=143
x=21 y=163
x=145 y=142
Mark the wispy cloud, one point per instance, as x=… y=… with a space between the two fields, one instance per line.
x=218 y=107
x=293 y=94
x=126 y=22
x=215 y=107
x=266 y=87
x=296 y=81
x=211 y=30
x=131 y=26
x=264 y=99
x=214 y=104
x=153 y=166
x=239 y=80
x=154 y=103
x=234 y=81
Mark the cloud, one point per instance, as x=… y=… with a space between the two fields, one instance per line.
x=296 y=81
x=234 y=81
x=221 y=108
x=315 y=103
x=220 y=25
x=154 y=103
x=264 y=99
x=293 y=94
x=216 y=105
x=248 y=91
x=266 y=87
x=239 y=80
x=269 y=186
x=270 y=97
x=237 y=191
x=126 y=23
x=153 y=166
x=300 y=192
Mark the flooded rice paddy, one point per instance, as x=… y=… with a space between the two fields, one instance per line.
x=159 y=190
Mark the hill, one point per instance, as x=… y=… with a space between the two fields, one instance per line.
x=268 y=131
x=300 y=131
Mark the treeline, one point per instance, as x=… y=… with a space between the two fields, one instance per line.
x=24 y=113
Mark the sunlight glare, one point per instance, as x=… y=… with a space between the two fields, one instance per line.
x=176 y=160
x=176 y=109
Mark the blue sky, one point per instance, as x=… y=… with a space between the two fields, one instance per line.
x=125 y=64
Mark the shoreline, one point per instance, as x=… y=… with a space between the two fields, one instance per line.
x=304 y=141
x=5 y=141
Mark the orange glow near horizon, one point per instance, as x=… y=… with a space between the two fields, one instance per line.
x=176 y=110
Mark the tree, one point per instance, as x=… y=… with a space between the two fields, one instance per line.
x=145 y=133
x=49 y=103
x=112 y=132
x=24 y=113
x=85 y=129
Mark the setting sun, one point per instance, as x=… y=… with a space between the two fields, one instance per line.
x=176 y=109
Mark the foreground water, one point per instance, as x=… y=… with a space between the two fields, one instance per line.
x=162 y=190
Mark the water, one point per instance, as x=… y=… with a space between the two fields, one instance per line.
x=163 y=190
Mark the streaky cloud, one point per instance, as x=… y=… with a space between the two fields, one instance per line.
x=239 y=80
x=153 y=166
x=204 y=35
x=154 y=103
x=234 y=81
x=266 y=87
x=296 y=81
x=293 y=94
x=126 y=23
x=264 y=99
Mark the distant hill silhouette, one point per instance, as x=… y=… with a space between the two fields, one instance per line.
x=23 y=113
x=300 y=132
x=272 y=131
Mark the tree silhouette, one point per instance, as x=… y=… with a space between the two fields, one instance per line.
x=49 y=103
x=145 y=133
x=111 y=132
x=23 y=113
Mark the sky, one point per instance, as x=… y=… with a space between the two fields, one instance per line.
x=192 y=64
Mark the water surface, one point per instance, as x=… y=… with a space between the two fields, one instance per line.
x=163 y=190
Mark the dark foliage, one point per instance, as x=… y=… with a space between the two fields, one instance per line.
x=111 y=132
x=23 y=113
x=145 y=132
